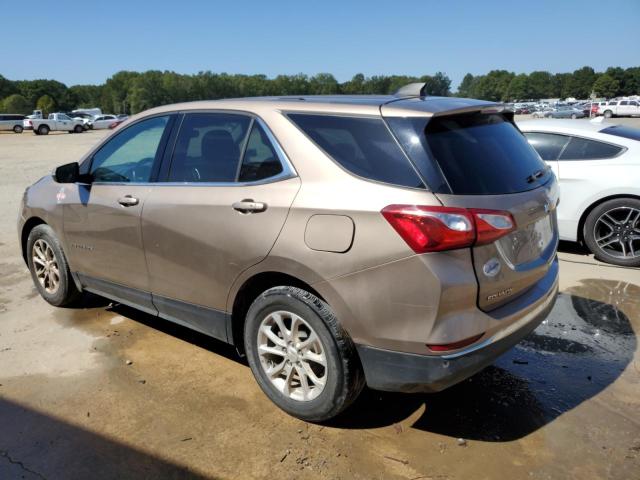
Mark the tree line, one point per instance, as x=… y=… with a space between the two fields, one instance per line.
x=132 y=92
x=502 y=85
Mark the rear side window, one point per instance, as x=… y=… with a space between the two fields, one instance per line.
x=208 y=147
x=363 y=146
x=548 y=145
x=583 y=149
x=484 y=154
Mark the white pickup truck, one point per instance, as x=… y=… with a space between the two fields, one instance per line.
x=620 y=108
x=57 y=122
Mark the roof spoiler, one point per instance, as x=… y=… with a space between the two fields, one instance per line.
x=411 y=90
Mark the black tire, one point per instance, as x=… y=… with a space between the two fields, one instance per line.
x=78 y=129
x=589 y=231
x=18 y=129
x=43 y=130
x=344 y=377
x=608 y=114
x=66 y=293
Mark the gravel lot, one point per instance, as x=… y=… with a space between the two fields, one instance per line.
x=563 y=404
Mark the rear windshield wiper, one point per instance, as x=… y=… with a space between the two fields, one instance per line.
x=536 y=175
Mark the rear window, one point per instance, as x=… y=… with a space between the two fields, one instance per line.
x=484 y=154
x=361 y=145
x=622 y=131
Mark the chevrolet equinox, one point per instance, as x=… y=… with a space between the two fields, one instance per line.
x=402 y=242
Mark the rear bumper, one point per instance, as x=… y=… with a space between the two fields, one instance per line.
x=408 y=372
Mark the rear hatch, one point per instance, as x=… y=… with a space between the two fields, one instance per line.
x=478 y=160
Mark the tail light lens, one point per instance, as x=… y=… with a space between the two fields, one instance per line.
x=434 y=229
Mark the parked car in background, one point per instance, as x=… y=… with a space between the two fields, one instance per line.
x=104 y=121
x=56 y=122
x=564 y=111
x=620 y=108
x=11 y=122
x=598 y=168
x=85 y=118
x=283 y=225
x=94 y=112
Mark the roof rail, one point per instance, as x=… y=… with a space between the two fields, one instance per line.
x=411 y=90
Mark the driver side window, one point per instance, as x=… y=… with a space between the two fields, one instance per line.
x=129 y=156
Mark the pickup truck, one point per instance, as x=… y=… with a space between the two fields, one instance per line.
x=57 y=122
x=620 y=108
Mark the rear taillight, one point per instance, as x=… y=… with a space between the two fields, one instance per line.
x=491 y=225
x=434 y=229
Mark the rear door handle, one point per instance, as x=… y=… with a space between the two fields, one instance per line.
x=128 y=201
x=249 y=206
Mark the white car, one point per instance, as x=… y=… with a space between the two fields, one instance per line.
x=598 y=169
x=104 y=121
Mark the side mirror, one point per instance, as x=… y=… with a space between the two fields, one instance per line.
x=68 y=173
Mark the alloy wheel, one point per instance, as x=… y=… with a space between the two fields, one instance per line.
x=292 y=356
x=45 y=265
x=617 y=232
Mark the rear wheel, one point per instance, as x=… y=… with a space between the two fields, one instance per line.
x=78 y=129
x=18 y=129
x=612 y=232
x=43 y=130
x=299 y=354
x=573 y=116
x=608 y=114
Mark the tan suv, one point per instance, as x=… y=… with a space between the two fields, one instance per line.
x=399 y=241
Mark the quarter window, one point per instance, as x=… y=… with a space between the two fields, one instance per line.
x=547 y=145
x=363 y=146
x=129 y=157
x=260 y=160
x=208 y=148
x=583 y=149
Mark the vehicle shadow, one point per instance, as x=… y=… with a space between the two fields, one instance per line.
x=34 y=446
x=582 y=348
x=573 y=247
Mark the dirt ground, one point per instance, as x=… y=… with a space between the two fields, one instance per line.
x=108 y=392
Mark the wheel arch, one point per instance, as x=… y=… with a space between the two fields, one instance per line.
x=29 y=225
x=600 y=201
x=250 y=290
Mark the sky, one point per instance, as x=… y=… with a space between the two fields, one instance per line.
x=86 y=42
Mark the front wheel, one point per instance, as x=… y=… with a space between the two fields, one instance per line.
x=17 y=129
x=78 y=129
x=49 y=267
x=573 y=116
x=299 y=354
x=612 y=232
x=608 y=114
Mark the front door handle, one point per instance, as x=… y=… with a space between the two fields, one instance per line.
x=249 y=206
x=128 y=201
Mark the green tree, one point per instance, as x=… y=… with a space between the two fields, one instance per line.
x=7 y=87
x=438 y=84
x=46 y=104
x=606 y=86
x=16 y=103
x=323 y=84
x=519 y=88
x=467 y=87
x=540 y=85
x=494 y=85
x=580 y=83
